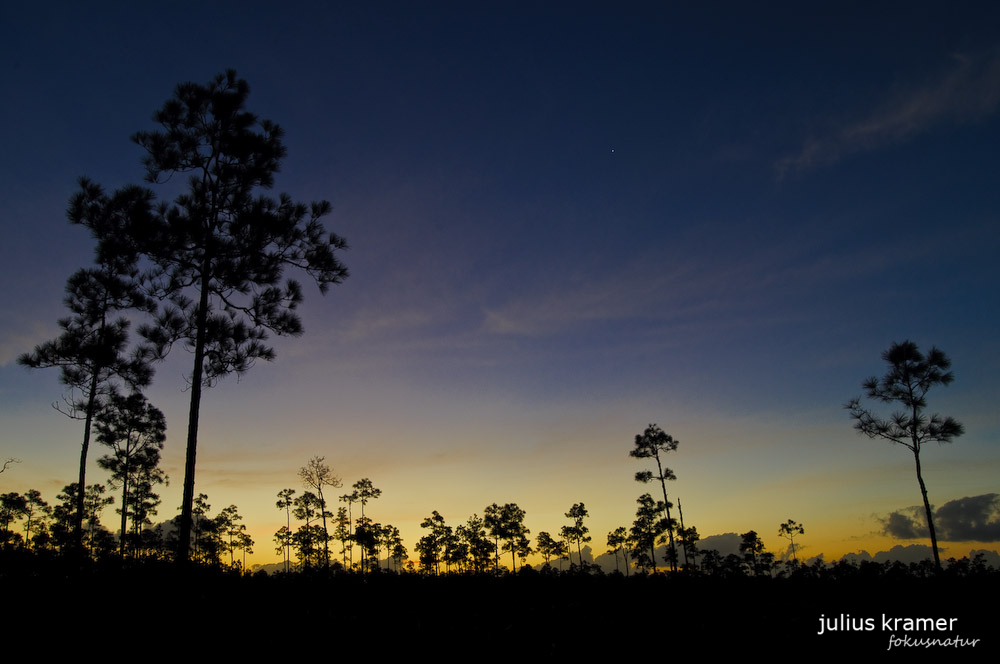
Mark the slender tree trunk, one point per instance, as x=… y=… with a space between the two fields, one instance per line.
x=684 y=544
x=184 y=546
x=666 y=506
x=27 y=528
x=121 y=545
x=307 y=552
x=927 y=510
x=326 y=534
x=288 y=537
x=350 y=529
x=88 y=423
x=82 y=482
x=920 y=480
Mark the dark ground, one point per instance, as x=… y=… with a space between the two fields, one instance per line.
x=159 y=608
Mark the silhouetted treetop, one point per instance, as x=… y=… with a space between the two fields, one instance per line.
x=909 y=377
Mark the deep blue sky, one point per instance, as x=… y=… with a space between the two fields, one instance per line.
x=565 y=223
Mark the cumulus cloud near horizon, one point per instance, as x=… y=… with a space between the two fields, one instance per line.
x=968 y=519
x=915 y=553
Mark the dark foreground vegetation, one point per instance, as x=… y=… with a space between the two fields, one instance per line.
x=534 y=612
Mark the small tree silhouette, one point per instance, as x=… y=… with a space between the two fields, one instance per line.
x=430 y=546
x=364 y=491
x=316 y=475
x=285 y=502
x=307 y=508
x=515 y=533
x=909 y=377
x=473 y=533
x=577 y=532
x=751 y=547
x=227 y=521
x=648 y=445
x=134 y=430
x=618 y=541
x=789 y=530
x=646 y=528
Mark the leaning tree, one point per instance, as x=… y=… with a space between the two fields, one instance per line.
x=909 y=378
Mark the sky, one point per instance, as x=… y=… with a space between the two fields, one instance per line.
x=566 y=221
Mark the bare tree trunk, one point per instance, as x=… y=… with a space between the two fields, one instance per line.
x=666 y=506
x=927 y=510
x=184 y=545
x=326 y=534
x=82 y=482
x=121 y=545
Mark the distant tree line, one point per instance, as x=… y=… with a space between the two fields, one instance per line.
x=28 y=523
x=133 y=431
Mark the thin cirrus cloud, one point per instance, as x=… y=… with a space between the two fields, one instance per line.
x=697 y=292
x=967 y=90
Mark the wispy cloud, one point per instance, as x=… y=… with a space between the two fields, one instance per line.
x=632 y=292
x=967 y=90
x=729 y=289
x=379 y=324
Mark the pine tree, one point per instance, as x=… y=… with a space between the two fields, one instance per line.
x=789 y=530
x=219 y=252
x=577 y=532
x=909 y=378
x=91 y=352
x=285 y=502
x=648 y=445
x=316 y=475
x=134 y=430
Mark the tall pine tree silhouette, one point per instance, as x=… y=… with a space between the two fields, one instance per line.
x=92 y=350
x=910 y=376
x=218 y=253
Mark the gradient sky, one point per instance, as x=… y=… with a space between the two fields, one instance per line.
x=565 y=223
